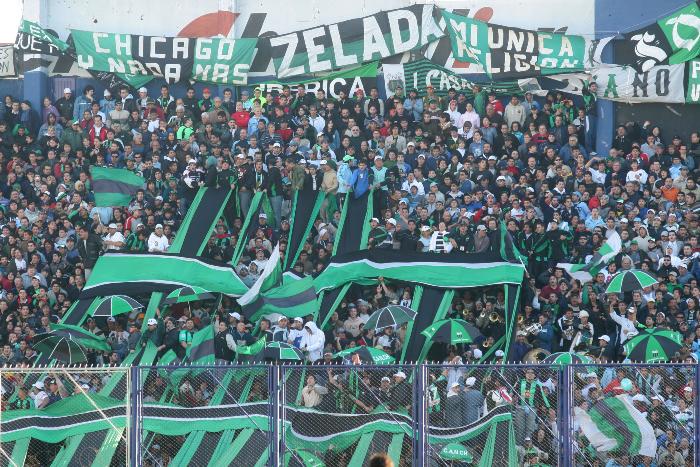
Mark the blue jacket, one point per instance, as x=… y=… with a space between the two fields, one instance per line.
x=360 y=182
x=81 y=105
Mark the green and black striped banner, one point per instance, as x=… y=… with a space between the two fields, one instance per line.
x=114 y=187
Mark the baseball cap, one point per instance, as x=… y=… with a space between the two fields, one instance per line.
x=143 y=89
x=604 y=337
x=477 y=353
x=391 y=221
x=374 y=219
x=500 y=354
x=235 y=315
x=111 y=319
x=424 y=228
x=386 y=378
x=107 y=93
x=298 y=320
x=152 y=322
x=347 y=158
x=262 y=215
x=277 y=145
x=481 y=227
x=159 y=226
x=583 y=314
x=492 y=158
x=67 y=91
x=400 y=374
x=471 y=381
x=112 y=225
x=38 y=385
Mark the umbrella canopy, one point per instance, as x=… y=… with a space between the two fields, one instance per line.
x=628 y=281
x=566 y=358
x=452 y=331
x=301 y=458
x=116 y=305
x=282 y=351
x=368 y=355
x=653 y=345
x=392 y=315
x=187 y=294
x=81 y=336
x=61 y=347
x=456 y=452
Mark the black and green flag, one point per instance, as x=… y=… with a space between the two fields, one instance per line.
x=114 y=187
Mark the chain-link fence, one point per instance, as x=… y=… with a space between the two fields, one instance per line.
x=197 y=415
x=633 y=414
x=491 y=415
x=65 y=416
x=341 y=415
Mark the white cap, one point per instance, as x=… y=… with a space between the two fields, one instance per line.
x=152 y=322
x=471 y=381
x=67 y=91
x=454 y=385
x=374 y=219
x=159 y=226
x=583 y=314
x=604 y=337
x=386 y=378
x=425 y=228
x=400 y=374
x=391 y=221
x=481 y=227
x=235 y=315
x=477 y=353
x=688 y=389
x=85 y=386
x=112 y=225
x=107 y=93
x=501 y=177
x=657 y=398
x=262 y=215
x=281 y=318
x=590 y=375
x=277 y=145
x=38 y=385
x=500 y=353
x=142 y=89
x=298 y=320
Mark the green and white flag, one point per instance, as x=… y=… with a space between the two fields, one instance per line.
x=673 y=39
x=505 y=51
x=212 y=60
x=48 y=39
x=613 y=425
x=114 y=187
x=587 y=271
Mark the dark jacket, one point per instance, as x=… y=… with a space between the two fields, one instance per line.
x=90 y=250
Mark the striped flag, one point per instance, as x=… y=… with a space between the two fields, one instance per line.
x=272 y=293
x=201 y=352
x=114 y=187
x=614 y=424
x=586 y=271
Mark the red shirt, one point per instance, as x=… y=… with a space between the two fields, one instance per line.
x=241 y=119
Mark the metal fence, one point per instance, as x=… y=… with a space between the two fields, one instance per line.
x=341 y=415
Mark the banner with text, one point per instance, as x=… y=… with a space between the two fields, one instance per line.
x=7 y=60
x=212 y=60
x=505 y=51
x=672 y=84
x=352 y=42
x=348 y=80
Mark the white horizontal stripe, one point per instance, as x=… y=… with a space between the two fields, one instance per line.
x=434 y=264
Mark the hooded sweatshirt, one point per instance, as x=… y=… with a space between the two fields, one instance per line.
x=313 y=342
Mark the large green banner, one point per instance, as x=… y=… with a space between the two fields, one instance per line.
x=212 y=60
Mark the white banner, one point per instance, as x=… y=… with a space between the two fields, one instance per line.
x=7 y=60
x=393 y=77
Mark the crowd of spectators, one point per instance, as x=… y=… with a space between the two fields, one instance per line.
x=445 y=171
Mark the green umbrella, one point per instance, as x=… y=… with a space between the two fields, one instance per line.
x=116 y=305
x=368 y=355
x=187 y=294
x=392 y=315
x=301 y=458
x=628 y=281
x=452 y=331
x=282 y=351
x=64 y=348
x=566 y=358
x=653 y=345
x=82 y=336
x=456 y=452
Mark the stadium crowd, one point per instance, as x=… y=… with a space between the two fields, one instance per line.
x=445 y=170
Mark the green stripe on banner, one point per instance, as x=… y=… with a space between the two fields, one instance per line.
x=604 y=425
x=244 y=234
x=368 y=70
x=440 y=313
x=369 y=214
x=213 y=224
x=185 y=225
x=443 y=275
x=122 y=271
x=510 y=319
x=415 y=303
x=290 y=260
x=336 y=304
x=487 y=454
x=341 y=222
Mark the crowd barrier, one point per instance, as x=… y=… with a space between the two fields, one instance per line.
x=340 y=415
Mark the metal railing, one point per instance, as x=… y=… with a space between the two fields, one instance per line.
x=338 y=415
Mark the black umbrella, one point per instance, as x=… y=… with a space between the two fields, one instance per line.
x=392 y=315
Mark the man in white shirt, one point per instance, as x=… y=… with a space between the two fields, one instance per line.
x=41 y=399
x=158 y=242
x=628 y=329
x=114 y=240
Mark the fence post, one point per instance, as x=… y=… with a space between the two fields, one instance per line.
x=135 y=406
x=564 y=415
x=419 y=436
x=274 y=392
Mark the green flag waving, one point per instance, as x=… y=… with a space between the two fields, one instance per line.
x=114 y=187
